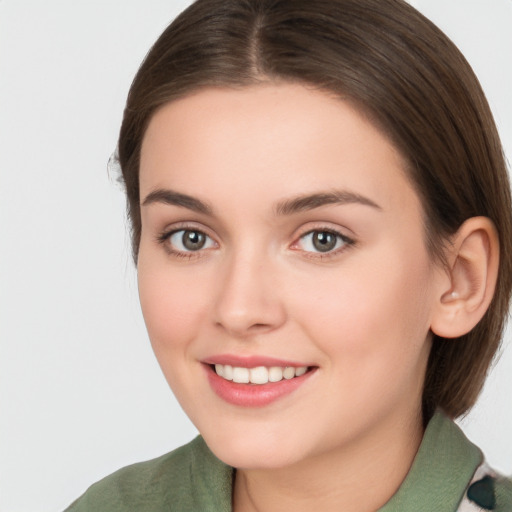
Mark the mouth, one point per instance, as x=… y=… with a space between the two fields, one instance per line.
x=255 y=385
x=258 y=375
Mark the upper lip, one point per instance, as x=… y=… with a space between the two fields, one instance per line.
x=252 y=361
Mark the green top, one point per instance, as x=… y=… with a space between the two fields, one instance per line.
x=191 y=478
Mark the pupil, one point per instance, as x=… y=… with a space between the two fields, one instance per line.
x=324 y=241
x=193 y=240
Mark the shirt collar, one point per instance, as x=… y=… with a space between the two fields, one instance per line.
x=441 y=470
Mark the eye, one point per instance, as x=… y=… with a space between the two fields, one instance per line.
x=189 y=240
x=323 y=241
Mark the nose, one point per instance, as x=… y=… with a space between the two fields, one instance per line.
x=249 y=301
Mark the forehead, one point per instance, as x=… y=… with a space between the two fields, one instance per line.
x=269 y=141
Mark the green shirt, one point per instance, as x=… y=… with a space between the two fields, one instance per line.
x=191 y=478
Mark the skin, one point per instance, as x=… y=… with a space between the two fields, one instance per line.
x=360 y=314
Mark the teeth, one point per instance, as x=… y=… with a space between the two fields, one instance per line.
x=219 y=368
x=289 y=373
x=241 y=375
x=300 y=371
x=227 y=372
x=260 y=374
x=275 y=374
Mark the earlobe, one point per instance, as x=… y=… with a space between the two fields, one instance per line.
x=471 y=273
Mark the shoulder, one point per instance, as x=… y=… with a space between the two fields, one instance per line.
x=188 y=478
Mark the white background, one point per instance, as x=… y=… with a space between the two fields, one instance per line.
x=80 y=391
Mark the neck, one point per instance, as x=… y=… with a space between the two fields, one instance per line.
x=338 y=479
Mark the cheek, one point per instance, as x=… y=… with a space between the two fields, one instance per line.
x=372 y=312
x=372 y=328
x=171 y=306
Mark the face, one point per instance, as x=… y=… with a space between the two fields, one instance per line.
x=282 y=244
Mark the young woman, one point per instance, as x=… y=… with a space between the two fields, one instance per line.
x=321 y=220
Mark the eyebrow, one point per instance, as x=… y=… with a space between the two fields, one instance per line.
x=177 y=199
x=312 y=201
x=283 y=208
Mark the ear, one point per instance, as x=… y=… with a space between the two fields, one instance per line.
x=469 y=280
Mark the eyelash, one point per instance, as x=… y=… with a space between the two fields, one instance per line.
x=342 y=243
x=346 y=242
x=165 y=240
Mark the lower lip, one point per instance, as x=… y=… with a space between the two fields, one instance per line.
x=253 y=395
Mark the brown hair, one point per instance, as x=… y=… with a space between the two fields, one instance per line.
x=398 y=68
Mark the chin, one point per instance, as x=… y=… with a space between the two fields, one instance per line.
x=266 y=451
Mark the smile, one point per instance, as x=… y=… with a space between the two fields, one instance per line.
x=258 y=375
x=255 y=381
